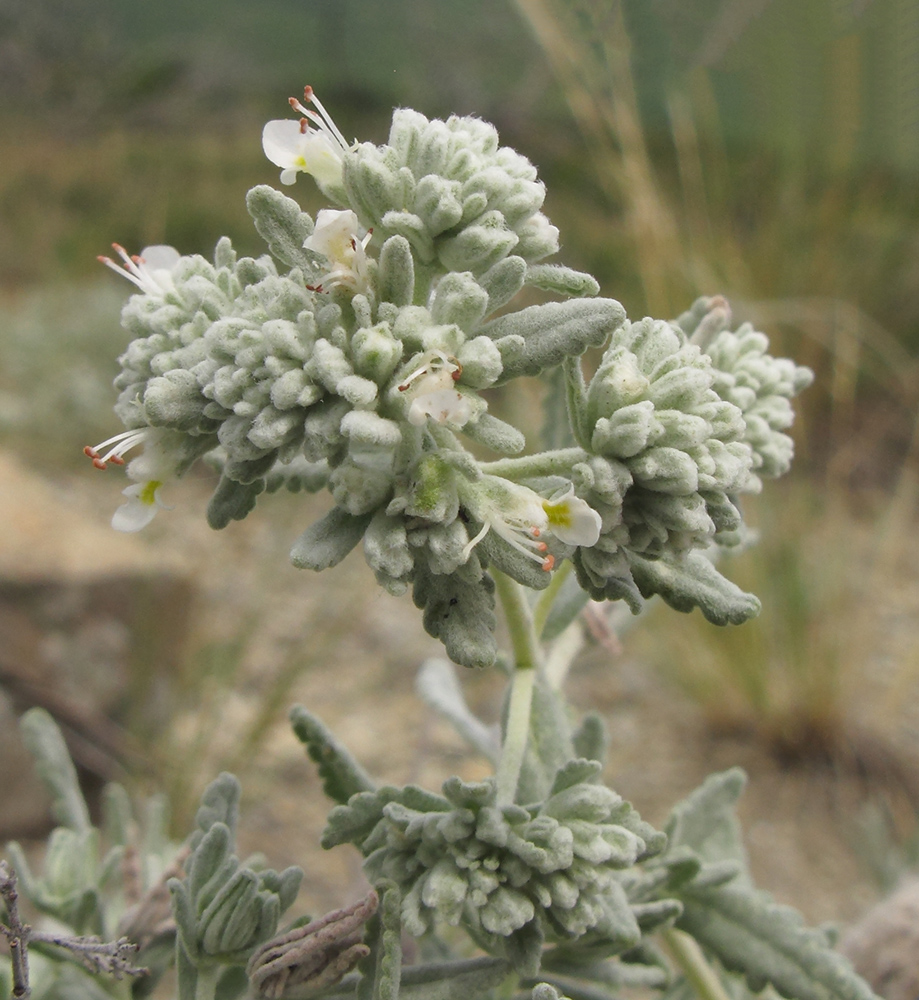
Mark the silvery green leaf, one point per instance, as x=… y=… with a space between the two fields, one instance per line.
x=577 y=399
x=554 y=331
x=396 y=274
x=524 y=949
x=459 y=610
x=693 y=582
x=327 y=541
x=117 y=814
x=498 y=552
x=706 y=820
x=502 y=281
x=232 y=501
x=341 y=775
x=282 y=224
x=501 y=437
x=546 y=991
x=175 y=400
x=562 y=280
x=382 y=968
x=437 y=203
x=232 y=903
x=657 y=913
x=437 y=685
x=219 y=804
x=211 y=864
x=586 y=962
x=459 y=980
x=353 y=823
x=459 y=299
x=183 y=912
x=479 y=246
x=591 y=738
x=44 y=741
x=411 y=228
x=769 y=944
x=549 y=745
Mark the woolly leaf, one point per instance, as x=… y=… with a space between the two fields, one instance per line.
x=502 y=281
x=232 y=501
x=554 y=331
x=459 y=610
x=768 y=944
x=562 y=280
x=706 y=821
x=459 y=980
x=693 y=582
x=549 y=745
x=437 y=685
x=382 y=968
x=341 y=775
x=501 y=437
x=397 y=272
x=282 y=224
x=43 y=738
x=326 y=542
x=591 y=739
x=576 y=398
x=219 y=804
x=117 y=814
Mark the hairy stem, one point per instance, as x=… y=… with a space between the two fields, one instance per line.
x=206 y=982
x=527 y=660
x=547 y=598
x=687 y=954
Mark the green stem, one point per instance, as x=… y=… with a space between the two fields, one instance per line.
x=206 y=981
x=687 y=954
x=527 y=660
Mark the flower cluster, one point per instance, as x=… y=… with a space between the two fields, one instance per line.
x=355 y=355
x=513 y=876
x=759 y=385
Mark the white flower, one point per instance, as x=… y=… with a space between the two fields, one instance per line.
x=572 y=520
x=434 y=393
x=151 y=269
x=337 y=237
x=149 y=470
x=521 y=517
x=142 y=505
x=296 y=147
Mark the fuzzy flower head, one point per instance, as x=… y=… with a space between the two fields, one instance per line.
x=338 y=238
x=522 y=518
x=313 y=145
x=151 y=270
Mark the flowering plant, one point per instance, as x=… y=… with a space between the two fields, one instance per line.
x=355 y=357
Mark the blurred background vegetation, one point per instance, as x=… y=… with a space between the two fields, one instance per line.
x=764 y=149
